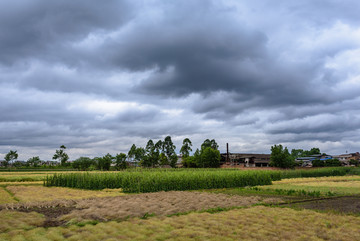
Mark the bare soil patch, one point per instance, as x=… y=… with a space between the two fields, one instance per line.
x=350 y=204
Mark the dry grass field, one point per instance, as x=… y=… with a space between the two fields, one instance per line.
x=342 y=185
x=255 y=223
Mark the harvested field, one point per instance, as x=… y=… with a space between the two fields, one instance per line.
x=11 y=220
x=161 y=203
x=40 y=193
x=255 y=223
x=137 y=205
x=5 y=197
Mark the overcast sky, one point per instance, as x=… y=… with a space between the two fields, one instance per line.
x=98 y=76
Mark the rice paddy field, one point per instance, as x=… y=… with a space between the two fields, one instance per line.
x=231 y=205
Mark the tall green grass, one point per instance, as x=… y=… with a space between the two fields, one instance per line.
x=155 y=180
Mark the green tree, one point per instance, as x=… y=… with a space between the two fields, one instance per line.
x=61 y=155
x=163 y=160
x=208 y=143
x=186 y=148
x=209 y=157
x=169 y=150
x=169 y=147
x=104 y=163
x=280 y=157
x=120 y=161
x=132 y=152
x=318 y=163
x=34 y=161
x=354 y=162
x=173 y=160
x=189 y=162
x=10 y=156
x=332 y=163
x=151 y=157
x=83 y=163
x=297 y=153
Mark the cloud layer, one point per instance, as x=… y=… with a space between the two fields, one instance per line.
x=99 y=77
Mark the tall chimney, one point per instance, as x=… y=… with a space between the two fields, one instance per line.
x=227 y=152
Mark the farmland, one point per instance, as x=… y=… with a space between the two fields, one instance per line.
x=244 y=210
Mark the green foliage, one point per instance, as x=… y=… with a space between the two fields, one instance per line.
x=161 y=180
x=332 y=163
x=104 y=163
x=208 y=143
x=318 y=163
x=151 y=157
x=120 y=161
x=61 y=155
x=189 y=162
x=83 y=163
x=295 y=153
x=354 y=162
x=10 y=156
x=186 y=148
x=154 y=180
x=280 y=157
x=34 y=161
x=209 y=157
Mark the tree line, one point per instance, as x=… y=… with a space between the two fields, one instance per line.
x=155 y=154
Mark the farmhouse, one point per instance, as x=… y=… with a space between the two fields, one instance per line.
x=245 y=159
x=345 y=158
x=307 y=161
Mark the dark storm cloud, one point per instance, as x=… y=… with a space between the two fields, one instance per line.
x=41 y=28
x=110 y=74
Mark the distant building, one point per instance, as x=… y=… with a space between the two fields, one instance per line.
x=307 y=161
x=245 y=159
x=345 y=158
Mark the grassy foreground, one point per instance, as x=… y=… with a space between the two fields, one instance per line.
x=256 y=223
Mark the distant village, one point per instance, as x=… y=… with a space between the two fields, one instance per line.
x=263 y=160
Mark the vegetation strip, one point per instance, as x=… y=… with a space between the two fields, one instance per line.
x=182 y=179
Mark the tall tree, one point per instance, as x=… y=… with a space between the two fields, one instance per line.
x=208 y=143
x=120 y=161
x=10 y=156
x=209 y=157
x=169 y=150
x=151 y=158
x=132 y=152
x=280 y=157
x=34 y=161
x=186 y=148
x=61 y=155
x=104 y=163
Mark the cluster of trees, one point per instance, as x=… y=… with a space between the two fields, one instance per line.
x=207 y=156
x=161 y=153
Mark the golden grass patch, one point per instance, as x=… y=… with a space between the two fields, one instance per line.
x=5 y=197
x=317 y=179
x=353 y=184
x=22 y=183
x=11 y=220
x=256 y=223
x=41 y=193
x=344 y=185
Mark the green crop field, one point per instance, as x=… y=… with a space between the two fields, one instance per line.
x=183 y=179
